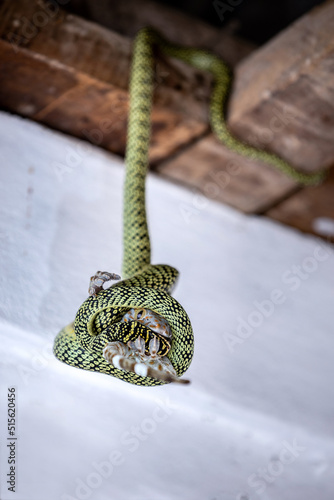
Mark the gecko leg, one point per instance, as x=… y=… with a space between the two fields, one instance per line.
x=97 y=281
x=122 y=357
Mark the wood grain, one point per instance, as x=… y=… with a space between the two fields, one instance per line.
x=216 y=172
x=72 y=75
x=283 y=97
x=95 y=104
x=310 y=210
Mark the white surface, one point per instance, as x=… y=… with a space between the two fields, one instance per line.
x=250 y=398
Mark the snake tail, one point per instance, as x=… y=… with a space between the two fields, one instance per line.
x=206 y=61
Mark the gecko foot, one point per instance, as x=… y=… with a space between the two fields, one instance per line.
x=97 y=281
x=123 y=357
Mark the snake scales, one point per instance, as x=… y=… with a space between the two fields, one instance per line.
x=115 y=316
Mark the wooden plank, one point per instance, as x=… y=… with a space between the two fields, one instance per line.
x=218 y=173
x=283 y=97
x=311 y=210
x=95 y=105
x=80 y=105
x=29 y=84
x=99 y=63
x=282 y=101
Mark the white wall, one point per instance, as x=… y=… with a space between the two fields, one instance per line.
x=261 y=402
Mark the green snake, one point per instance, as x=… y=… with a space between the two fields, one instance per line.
x=135 y=330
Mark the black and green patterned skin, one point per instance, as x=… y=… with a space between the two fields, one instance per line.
x=145 y=286
x=98 y=322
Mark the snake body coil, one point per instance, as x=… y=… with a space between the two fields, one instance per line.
x=99 y=319
x=103 y=319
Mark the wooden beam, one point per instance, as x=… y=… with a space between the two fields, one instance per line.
x=283 y=97
x=72 y=75
x=310 y=210
x=282 y=101
x=129 y=16
x=40 y=51
x=215 y=172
